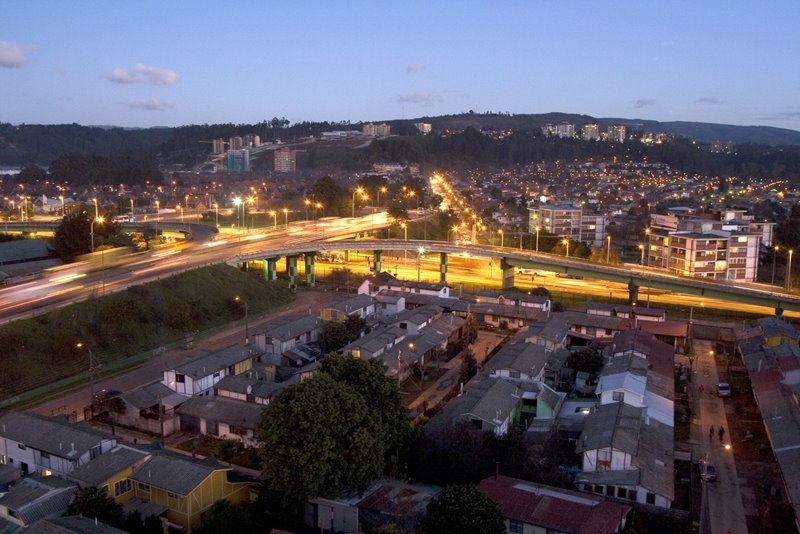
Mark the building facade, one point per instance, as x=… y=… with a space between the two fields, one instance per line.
x=285 y=160
x=570 y=221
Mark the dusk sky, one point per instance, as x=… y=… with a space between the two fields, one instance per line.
x=156 y=63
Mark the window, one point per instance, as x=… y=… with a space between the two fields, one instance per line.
x=622 y=493
x=122 y=487
x=2 y=459
x=216 y=375
x=45 y=455
x=171 y=495
x=598 y=489
x=514 y=374
x=143 y=486
x=618 y=396
x=651 y=498
x=180 y=379
x=610 y=491
x=22 y=447
x=515 y=526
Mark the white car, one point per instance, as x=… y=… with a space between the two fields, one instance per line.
x=724 y=389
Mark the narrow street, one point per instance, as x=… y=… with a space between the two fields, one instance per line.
x=723 y=512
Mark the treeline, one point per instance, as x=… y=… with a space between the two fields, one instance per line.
x=79 y=169
x=41 y=144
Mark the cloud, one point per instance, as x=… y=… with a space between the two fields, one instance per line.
x=709 y=100
x=424 y=98
x=13 y=55
x=149 y=105
x=414 y=68
x=644 y=102
x=143 y=74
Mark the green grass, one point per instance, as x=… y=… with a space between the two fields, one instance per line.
x=115 y=327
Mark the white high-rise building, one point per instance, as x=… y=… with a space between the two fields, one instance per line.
x=616 y=133
x=590 y=132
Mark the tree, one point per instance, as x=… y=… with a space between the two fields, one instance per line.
x=469 y=366
x=541 y=292
x=354 y=325
x=227 y=449
x=389 y=528
x=460 y=509
x=72 y=236
x=226 y=517
x=320 y=438
x=333 y=336
x=95 y=503
x=586 y=360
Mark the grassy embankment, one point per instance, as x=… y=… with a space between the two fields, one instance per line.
x=124 y=329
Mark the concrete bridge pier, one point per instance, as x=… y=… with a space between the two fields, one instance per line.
x=376 y=260
x=507 y=274
x=310 y=272
x=244 y=266
x=291 y=270
x=633 y=293
x=270 y=269
x=443 y=267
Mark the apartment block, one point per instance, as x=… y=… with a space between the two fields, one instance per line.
x=569 y=220
x=285 y=160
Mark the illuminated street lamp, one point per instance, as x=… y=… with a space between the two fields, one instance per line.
x=608 y=249
x=158 y=215
x=98 y=220
x=500 y=231
x=181 y=210
x=216 y=213
x=641 y=247
x=774 y=253
x=566 y=243
x=358 y=190
x=320 y=206
x=381 y=189
x=237 y=201
x=274 y=218
x=537 y=239
x=96 y=213
x=789 y=271
x=286 y=215
x=453 y=229
x=404 y=226
x=307 y=203
x=62 y=205
x=92 y=368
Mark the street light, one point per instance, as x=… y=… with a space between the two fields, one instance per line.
x=500 y=231
x=62 y=205
x=216 y=213
x=286 y=215
x=246 y=320
x=789 y=271
x=608 y=249
x=92 y=367
x=774 y=253
x=96 y=213
x=320 y=206
x=537 y=239
x=237 y=201
x=566 y=242
x=359 y=190
x=307 y=203
x=91 y=229
x=381 y=189
x=404 y=226
x=420 y=252
x=641 y=247
x=453 y=229
x=181 y=209
x=274 y=218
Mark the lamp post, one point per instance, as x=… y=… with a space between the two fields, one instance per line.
x=641 y=247
x=131 y=210
x=216 y=213
x=246 y=320
x=158 y=215
x=453 y=229
x=320 y=206
x=62 y=205
x=274 y=219
x=381 y=189
x=79 y=345
x=774 y=253
x=420 y=252
x=404 y=226
x=789 y=272
x=358 y=190
x=537 y=239
x=96 y=213
x=181 y=210
x=91 y=229
x=608 y=249
x=286 y=215
x=566 y=243
x=500 y=231
x=307 y=203
x=237 y=201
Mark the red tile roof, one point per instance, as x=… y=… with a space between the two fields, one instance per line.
x=554 y=508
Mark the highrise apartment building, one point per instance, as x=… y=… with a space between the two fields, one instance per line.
x=590 y=132
x=285 y=160
x=376 y=130
x=616 y=133
x=570 y=221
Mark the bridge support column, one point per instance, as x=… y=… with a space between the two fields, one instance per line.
x=270 y=269
x=291 y=270
x=376 y=260
x=244 y=266
x=443 y=267
x=507 y=274
x=310 y=273
x=778 y=311
x=633 y=293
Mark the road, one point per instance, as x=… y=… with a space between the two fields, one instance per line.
x=154 y=368
x=723 y=511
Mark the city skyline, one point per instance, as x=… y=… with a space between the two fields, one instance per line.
x=149 y=64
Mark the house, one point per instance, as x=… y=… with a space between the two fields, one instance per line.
x=625 y=311
x=35 y=498
x=593 y=327
x=386 y=282
x=532 y=508
x=282 y=335
x=361 y=306
x=519 y=361
x=182 y=487
x=199 y=376
x=776 y=332
x=384 y=501
x=221 y=417
x=551 y=333
x=415 y=319
x=150 y=408
x=71 y=525
x=499 y=315
x=627 y=455
x=388 y=304
x=254 y=386
x=110 y=471
x=48 y=446
x=637 y=382
x=526 y=300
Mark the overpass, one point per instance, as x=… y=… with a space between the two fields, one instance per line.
x=192 y=231
x=513 y=259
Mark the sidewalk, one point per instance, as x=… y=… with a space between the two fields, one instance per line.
x=725 y=512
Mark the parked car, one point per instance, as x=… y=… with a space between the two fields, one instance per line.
x=708 y=471
x=724 y=389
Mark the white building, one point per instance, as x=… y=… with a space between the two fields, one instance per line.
x=198 y=377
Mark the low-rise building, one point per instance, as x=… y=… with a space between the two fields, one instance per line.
x=199 y=376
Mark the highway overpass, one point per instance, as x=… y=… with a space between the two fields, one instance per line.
x=512 y=259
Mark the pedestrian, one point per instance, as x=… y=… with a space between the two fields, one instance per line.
x=721 y=434
x=711 y=432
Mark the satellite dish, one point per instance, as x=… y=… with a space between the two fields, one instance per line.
x=249 y=389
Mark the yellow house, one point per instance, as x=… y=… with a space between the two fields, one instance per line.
x=178 y=489
x=777 y=332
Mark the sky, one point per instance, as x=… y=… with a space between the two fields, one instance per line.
x=154 y=63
